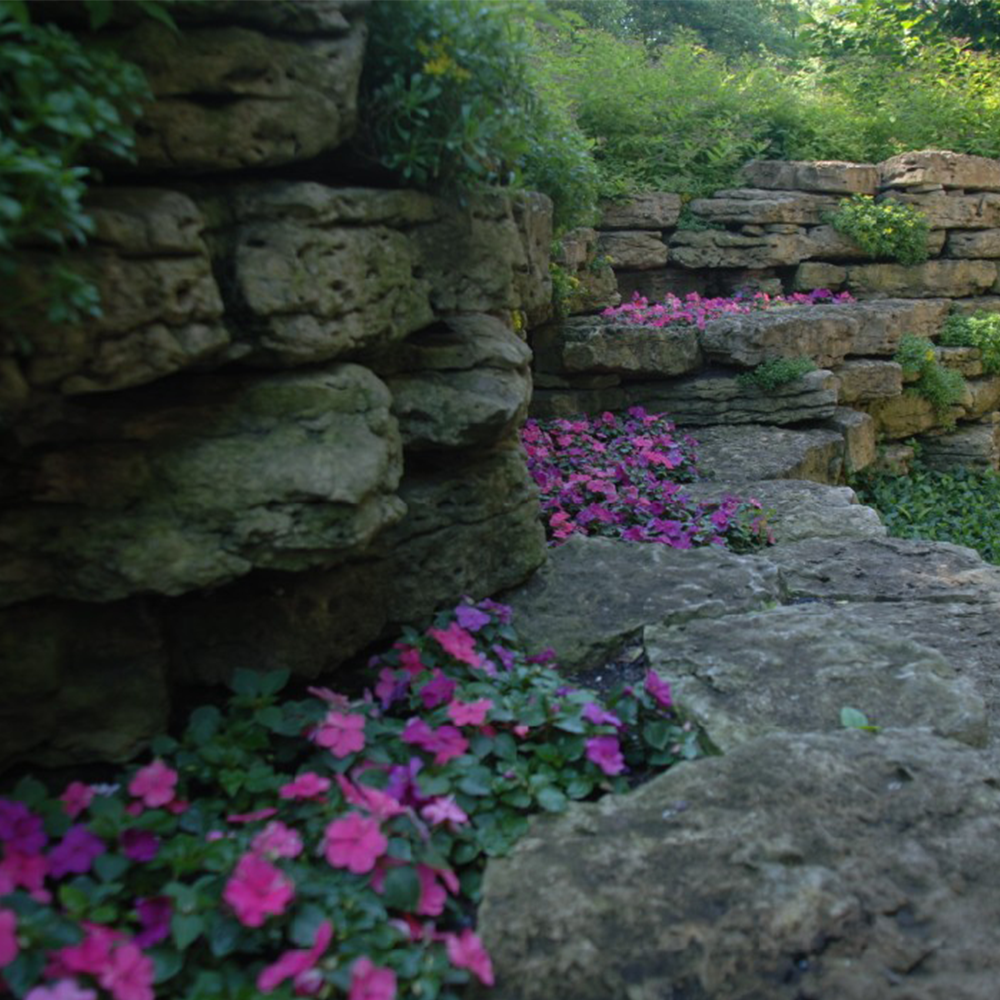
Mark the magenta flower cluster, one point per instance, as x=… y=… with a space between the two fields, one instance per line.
x=693 y=310
x=621 y=476
x=325 y=847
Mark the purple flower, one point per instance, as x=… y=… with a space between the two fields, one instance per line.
x=20 y=829
x=75 y=852
x=659 y=689
x=471 y=619
x=605 y=752
x=437 y=690
x=592 y=712
x=154 y=914
x=139 y=845
x=402 y=784
x=504 y=655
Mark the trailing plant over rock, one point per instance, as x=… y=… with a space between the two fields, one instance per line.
x=620 y=476
x=982 y=331
x=884 y=229
x=324 y=846
x=779 y=371
x=941 y=387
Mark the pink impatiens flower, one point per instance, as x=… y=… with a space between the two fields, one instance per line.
x=605 y=752
x=294 y=965
x=469 y=713
x=9 y=947
x=355 y=842
x=278 y=841
x=378 y=803
x=457 y=642
x=128 y=974
x=435 y=884
x=154 y=785
x=257 y=890
x=64 y=989
x=437 y=690
x=371 y=982
x=139 y=845
x=659 y=689
x=341 y=733
x=466 y=951
x=592 y=712
x=445 y=742
x=308 y=785
x=252 y=817
x=76 y=798
x=443 y=809
x=27 y=871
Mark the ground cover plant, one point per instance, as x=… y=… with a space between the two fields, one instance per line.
x=317 y=847
x=884 y=229
x=768 y=375
x=981 y=330
x=622 y=476
x=694 y=310
x=962 y=506
x=941 y=387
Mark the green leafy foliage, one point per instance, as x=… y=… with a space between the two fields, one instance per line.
x=779 y=371
x=961 y=506
x=60 y=102
x=883 y=229
x=452 y=99
x=982 y=331
x=853 y=718
x=941 y=387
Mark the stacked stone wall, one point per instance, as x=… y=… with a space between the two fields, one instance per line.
x=294 y=424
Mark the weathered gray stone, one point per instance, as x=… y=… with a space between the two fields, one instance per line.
x=645 y=210
x=575 y=249
x=633 y=249
x=949 y=278
x=975 y=447
x=315 y=17
x=801 y=509
x=283 y=472
x=906 y=415
x=829 y=176
x=751 y=452
x=458 y=343
x=708 y=399
x=982 y=396
x=952 y=209
x=530 y=277
x=818 y=865
x=862 y=380
x=569 y=605
x=548 y=404
x=594 y=345
x=596 y=286
x=888 y=569
x=986 y=303
x=815 y=274
x=982 y=244
x=230 y=98
x=965 y=360
x=80 y=683
x=758 y=207
x=824 y=334
x=793 y=669
x=715 y=248
x=930 y=167
x=883 y=322
x=894 y=458
x=161 y=310
x=858 y=430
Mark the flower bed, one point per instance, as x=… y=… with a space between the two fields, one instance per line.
x=317 y=847
x=693 y=310
x=620 y=476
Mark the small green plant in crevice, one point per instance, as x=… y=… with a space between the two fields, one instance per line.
x=961 y=506
x=941 y=387
x=565 y=287
x=691 y=223
x=853 y=718
x=982 y=331
x=884 y=229
x=771 y=374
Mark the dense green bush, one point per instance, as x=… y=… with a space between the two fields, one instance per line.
x=883 y=229
x=451 y=95
x=941 y=387
x=59 y=103
x=981 y=330
x=961 y=507
x=768 y=375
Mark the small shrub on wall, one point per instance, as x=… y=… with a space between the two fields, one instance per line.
x=883 y=229
x=982 y=331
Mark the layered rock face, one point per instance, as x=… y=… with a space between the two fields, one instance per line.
x=294 y=423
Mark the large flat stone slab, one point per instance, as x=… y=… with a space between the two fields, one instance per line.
x=637 y=250
x=793 y=669
x=821 y=865
x=827 y=176
x=951 y=170
x=595 y=594
x=935 y=279
x=753 y=206
x=886 y=569
x=645 y=210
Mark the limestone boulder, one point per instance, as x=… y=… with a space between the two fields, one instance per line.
x=283 y=472
x=887 y=569
x=965 y=360
x=817 y=274
x=984 y=243
x=532 y=283
x=798 y=865
x=564 y=403
x=645 y=210
x=80 y=683
x=161 y=310
x=903 y=416
x=951 y=170
x=798 y=508
x=953 y=209
x=633 y=249
x=982 y=396
x=860 y=440
x=827 y=243
x=791 y=670
x=317 y=16
x=753 y=206
x=235 y=98
x=708 y=399
x=824 y=334
x=596 y=345
x=825 y=176
x=983 y=303
x=569 y=605
x=936 y=278
x=717 y=248
x=864 y=379
x=750 y=452
x=973 y=447
x=884 y=322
